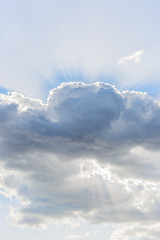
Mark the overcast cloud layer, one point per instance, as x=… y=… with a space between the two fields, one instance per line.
x=91 y=153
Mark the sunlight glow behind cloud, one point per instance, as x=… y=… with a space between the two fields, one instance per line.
x=39 y=39
x=79 y=135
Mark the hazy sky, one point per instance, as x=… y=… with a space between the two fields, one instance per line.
x=80 y=129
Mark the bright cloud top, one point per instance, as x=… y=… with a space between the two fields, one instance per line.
x=87 y=154
x=135 y=57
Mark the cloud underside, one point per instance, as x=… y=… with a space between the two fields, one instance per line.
x=90 y=153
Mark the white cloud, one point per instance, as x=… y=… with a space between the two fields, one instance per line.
x=84 y=235
x=135 y=57
x=87 y=234
x=24 y=103
x=72 y=236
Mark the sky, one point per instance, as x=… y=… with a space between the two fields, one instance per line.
x=79 y=119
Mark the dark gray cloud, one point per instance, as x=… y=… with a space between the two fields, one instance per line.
x=90 y=152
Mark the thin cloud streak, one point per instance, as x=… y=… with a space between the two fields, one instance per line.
x=135 y=57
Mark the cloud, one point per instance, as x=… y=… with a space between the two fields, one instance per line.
x=85 y=235
x=140 y=232
x=72 y=236
x=91 y=152
x=135 y=57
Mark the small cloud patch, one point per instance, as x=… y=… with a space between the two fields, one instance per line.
x=135 y=57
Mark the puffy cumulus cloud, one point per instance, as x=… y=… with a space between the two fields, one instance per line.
x=85 y=235
x=91 y=152
x=23 y=102
x=72 y=236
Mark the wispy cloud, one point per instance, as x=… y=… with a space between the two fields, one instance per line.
x=135 y=57
x=73 y=236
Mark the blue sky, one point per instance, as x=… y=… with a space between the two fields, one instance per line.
x=79 y=117
x=85 y=38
